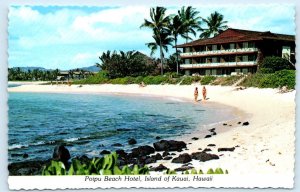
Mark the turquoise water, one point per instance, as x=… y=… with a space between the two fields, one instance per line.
x=88 y=124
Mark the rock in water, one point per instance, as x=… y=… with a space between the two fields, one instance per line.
x=183 y=158
x=117 y=145
x=142 y=151
x=171 y=145
x=195 y=138
x=132 y=141
x=61 y=153
x=104 y=152
x=25 y=155
x=203 y=156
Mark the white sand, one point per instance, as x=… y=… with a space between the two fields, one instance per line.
x=267 y=145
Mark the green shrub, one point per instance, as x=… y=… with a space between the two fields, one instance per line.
x=107 y=165
x=272 y=64
x=187 y=80
x=272 y=80
x=154 y=80
x=99 y=78
x=207 y=80
x=123 y=81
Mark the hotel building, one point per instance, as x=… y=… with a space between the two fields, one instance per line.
x=234 y=51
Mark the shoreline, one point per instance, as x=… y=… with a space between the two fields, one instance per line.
x=264 y=146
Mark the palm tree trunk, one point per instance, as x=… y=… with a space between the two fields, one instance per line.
x=177 y=64
x=161 y=57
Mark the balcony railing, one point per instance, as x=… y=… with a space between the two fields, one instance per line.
x=218 y=52
x=226 y=64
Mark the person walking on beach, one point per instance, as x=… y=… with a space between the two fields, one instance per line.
x=196 y=94
x=204 y=93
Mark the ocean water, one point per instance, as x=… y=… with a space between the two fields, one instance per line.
x=88 y=124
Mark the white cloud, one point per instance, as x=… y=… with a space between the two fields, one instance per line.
x=67 y=38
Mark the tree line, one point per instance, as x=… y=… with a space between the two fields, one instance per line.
x=17 y=74
x=167 y=29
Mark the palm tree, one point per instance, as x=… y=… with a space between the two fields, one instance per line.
x=191 y=21
x=215 y=25
x=105 y=59
x=176 y=28
x=159 y=22
x=162 y=41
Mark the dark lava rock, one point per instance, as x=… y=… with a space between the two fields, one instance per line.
x=61 y=153
x=183 y=168
x=168 y=158
x=211 y=145
x=224 y=124
x=83 y=159
x=25 y=155
x=104 y=152
x=195 y=138
x=132 y=141
x=246 y=123
x=117 y=145
x=142 y=151
x=157 y=137
x=226 y=149
x=200 y=149
x=27 y=168
x=171 y=145
x=121 y=153
x=206 y=150
x=213 y=129
x=203 y=156
x=157 y=156
x=101 y=145
x=214 y=133
x=172 y=154
x=207 y=136
x=179 y=150
x=239 y=122
x=165 y=153
x=182 y=158
x=161 y=167
x=150 y=160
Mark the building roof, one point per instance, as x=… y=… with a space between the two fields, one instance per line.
x=238 y=35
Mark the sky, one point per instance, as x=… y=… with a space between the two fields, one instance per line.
x=68 y=37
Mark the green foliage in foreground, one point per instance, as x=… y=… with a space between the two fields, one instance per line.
x=194 y=171
x=107 y=165
x=272 y=80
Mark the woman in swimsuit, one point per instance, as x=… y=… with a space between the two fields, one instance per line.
x=196 y=94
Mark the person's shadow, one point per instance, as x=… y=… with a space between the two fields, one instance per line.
x=201 y=99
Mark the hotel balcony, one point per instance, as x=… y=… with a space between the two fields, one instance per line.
x=218 y=65
x=219 y=52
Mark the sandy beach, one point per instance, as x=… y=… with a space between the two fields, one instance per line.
x=265 y=146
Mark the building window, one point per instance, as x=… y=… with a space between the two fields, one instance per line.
x=245 y=45
x=215 y=60
x=214 y=47
x=232 y=46
x=214 y=71
x=245 y=57
x=245 y=70
x=207 y=72
x=187 y=61
x=251 y=45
